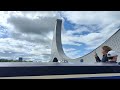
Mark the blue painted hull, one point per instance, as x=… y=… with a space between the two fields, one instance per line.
x=35 y=69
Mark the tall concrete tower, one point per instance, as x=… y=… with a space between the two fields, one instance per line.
x=57 y=50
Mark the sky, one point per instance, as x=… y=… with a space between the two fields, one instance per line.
x=29 y=34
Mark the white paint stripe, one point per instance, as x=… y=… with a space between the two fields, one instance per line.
x=63 y=76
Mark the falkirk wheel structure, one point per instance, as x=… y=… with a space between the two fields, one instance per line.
x=57 y=51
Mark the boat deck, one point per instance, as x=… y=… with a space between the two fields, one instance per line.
x=53 y=69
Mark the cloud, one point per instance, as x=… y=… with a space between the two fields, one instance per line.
x=97 y=30
x=31 y=32
x=72 y=52
x=34 y=26
x=91 y=17
x=91 y=39
x=16 y=48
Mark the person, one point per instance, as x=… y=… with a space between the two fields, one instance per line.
x=55 y=60
x=81 y=60
x=112 y=56
x=105 y=50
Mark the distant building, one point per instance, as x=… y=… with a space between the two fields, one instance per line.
x=20 y=59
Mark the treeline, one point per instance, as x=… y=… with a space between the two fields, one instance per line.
x=6 y=60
